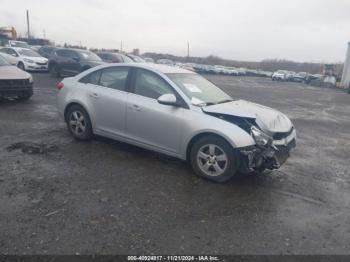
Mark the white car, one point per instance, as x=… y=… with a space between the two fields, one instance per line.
x=279 y=75
x=29 y=60
x=13 y=43
x=9 y=58
x=176 y=112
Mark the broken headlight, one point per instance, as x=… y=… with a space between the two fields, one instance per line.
x=261 y=139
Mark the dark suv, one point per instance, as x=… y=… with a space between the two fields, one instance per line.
x=69 y=62
x=46 y=50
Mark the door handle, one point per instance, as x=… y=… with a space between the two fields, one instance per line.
x=94 y=95
x=135 y=107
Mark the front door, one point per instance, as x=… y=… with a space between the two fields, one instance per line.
x=149 y=122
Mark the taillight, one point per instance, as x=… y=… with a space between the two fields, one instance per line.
x=60 y=85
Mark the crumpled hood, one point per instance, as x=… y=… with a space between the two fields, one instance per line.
x=268 y=119
x=12 y=72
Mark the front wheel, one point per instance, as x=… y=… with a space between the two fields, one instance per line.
x=79 y=123
x=214 y=159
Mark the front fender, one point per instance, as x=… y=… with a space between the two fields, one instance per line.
x=205 y=124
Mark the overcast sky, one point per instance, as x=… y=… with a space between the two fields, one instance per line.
x=247 y=30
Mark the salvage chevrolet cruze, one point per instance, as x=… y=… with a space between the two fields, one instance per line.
x=178 y=113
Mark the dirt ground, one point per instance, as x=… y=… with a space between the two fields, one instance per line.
x=60 y=196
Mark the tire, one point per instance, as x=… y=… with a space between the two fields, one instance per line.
x=79 y=123
x=21 y=66
x=213 y=158
x=55 y=71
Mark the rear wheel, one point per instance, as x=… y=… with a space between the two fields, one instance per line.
x=79 y=123
x=214 y=159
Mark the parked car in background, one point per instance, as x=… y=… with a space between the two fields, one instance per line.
x=111 y=57
x=136 y=58
x=46 y=50
x=166 y=62
x=35 y=47
x=279 y=75
x=300 y=77
x=69 y=62
x=289 y=76
x=176 y=112
x=314 y=78
x=148 y=59
x=14 y=83
x=10 y=59
x=28 y=58
x=13 y=43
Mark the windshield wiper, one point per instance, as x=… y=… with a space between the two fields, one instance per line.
x=225 y=101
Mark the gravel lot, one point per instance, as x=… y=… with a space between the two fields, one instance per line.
x=106 y=197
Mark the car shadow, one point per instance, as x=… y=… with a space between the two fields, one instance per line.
x=238 y=179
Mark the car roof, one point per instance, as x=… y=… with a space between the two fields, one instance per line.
x=163 y=68
x=158 y=68
x=19 y=48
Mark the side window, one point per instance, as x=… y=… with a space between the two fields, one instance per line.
x=12 y=52
x=114 y=77
x=102 y=56
x=150 y=85
x=72 y=54
x=62 y=53
x=92 y=78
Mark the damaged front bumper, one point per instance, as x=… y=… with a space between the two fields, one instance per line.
x=271 y=156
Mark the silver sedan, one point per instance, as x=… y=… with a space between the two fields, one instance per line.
x=178 y=113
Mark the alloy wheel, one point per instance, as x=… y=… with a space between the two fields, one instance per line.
x=77 y=123
x=212 y=160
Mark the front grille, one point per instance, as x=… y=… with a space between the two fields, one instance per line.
x=15 y=84
x=281 y=135
x=43 y=63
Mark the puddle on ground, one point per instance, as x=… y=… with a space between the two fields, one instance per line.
x=32 y=148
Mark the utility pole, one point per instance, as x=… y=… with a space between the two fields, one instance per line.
x=188 y=49
x=44 y=33
x=28 y=32
x=121 y=45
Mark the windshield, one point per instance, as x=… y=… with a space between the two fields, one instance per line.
x=199 y=90
x=127 y=59
x=137 y=59
x=28 y=52
x=3 y=62
x=89 y=56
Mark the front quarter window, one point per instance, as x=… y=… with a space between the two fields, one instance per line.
x=199 y=90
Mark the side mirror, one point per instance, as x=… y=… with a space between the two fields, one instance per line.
x=76 y=59
x=168 y=99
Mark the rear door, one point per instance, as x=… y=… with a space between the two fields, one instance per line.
x=62 y=60
x=107 y=98
x=73 y=62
